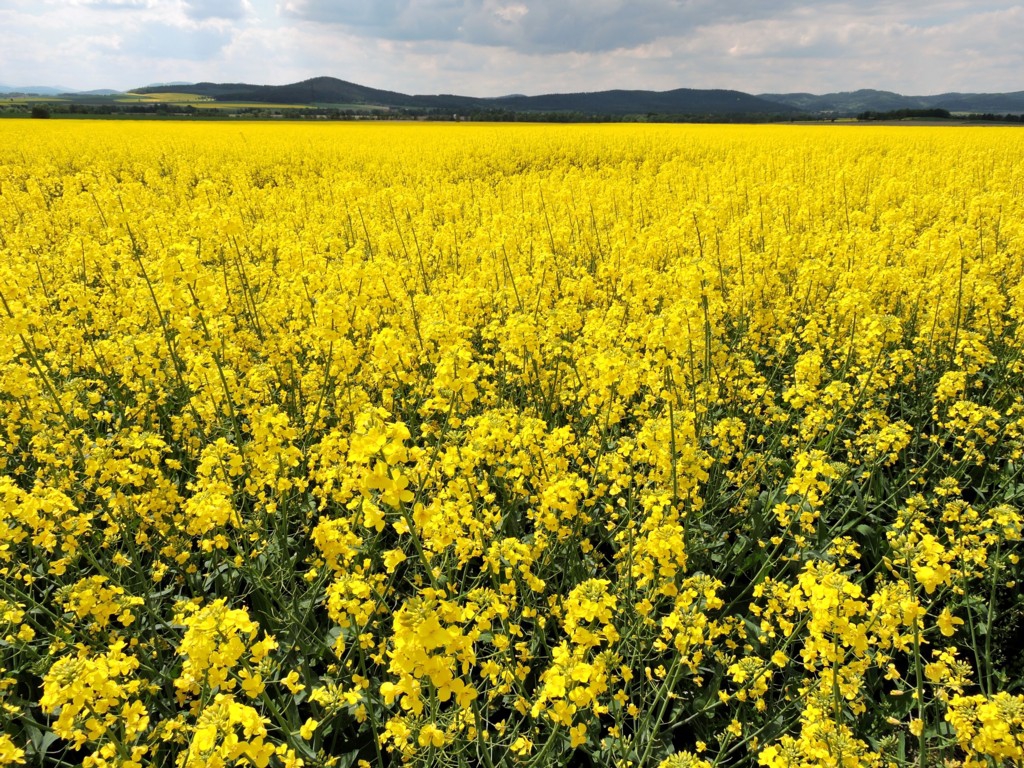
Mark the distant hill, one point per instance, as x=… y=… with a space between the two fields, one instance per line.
x=978 y=102
x=855 y=102
x=846 y=102
x=329 y=90
x=318 y=90
x=37 y=90
x=331 y=93
x=682 y=101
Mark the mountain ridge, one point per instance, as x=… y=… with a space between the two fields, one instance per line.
x=612 y=101
x=37 y=90
x=328 y=90
x=866 y=99
x=332 y=92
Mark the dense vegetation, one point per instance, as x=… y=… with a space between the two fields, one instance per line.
x=905 y=114
x=642 y=446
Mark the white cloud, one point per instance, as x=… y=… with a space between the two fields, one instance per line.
x=215 y=9
x=491 y=47
x=114 y=5
x=511 y=13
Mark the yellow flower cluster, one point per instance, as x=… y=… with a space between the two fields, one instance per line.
x=93 y=695
x=989 y=727
x=376 y=445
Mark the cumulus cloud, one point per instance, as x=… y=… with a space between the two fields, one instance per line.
x=113 y=5
x=167 y=41
x=491 y=47
x=583 y=26
x=543 y=26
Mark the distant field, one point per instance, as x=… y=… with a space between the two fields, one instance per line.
x=163 y=98
x=200 y=102
x=247 y=105
x=31 y=100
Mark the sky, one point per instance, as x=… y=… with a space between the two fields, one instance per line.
x=498 y=47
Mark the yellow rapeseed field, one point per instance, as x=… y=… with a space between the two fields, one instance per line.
x=339 y=445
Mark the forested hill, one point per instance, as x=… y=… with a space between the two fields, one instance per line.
x=329 y=90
